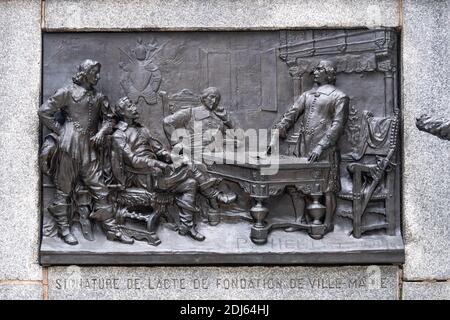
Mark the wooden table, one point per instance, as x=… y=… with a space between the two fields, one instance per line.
x=265 y=177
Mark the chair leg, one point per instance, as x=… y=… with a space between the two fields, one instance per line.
x=390 y=215
x=357 y=204
x=357 y=216
x=330 y=204
x=153 y=221
x=390 y=205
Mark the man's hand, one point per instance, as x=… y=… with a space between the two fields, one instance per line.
x=161 y=165
x=273 y=144
x=422 y=121
x=157 y=172
x=166 y=156
x=186 y=161
x=169 y=169
x=315 y=154
x=98 y=139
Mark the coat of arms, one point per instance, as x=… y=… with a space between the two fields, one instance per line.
x=140 y=77
x=141 y=69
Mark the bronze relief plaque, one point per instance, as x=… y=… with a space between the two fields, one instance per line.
x=262 y=147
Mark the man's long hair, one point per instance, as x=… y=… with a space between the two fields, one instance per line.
x=83 y=69
x=208 y=91
x=118 y=108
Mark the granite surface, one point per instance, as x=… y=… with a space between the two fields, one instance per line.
x=426 y=290
x=20 y=80
x=425 y=89
x=236 y=283
x=21 y=291
x=218 y=14
x=426 y=166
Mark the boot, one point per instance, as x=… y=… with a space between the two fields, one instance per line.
x=222 y=197
x=191 y=232
x=70 y=239
x=113 y=232
x=86 y=225
x=226 y=198
x=187 y=207
x=83 y=201
x=60 y=213
x=119 y=236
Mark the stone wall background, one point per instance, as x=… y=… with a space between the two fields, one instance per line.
x=425 y=33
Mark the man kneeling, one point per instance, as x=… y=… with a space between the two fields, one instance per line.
x=146 y=164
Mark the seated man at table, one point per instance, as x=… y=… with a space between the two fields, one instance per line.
x=146 y=164
x=203 y=122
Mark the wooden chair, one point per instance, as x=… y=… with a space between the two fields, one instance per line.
x=142 y=226
x=375 y=182
x=138 y=211
x=176 y=101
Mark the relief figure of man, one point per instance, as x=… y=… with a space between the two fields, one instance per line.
x=87 y=119
x=139 y=160
x=208 y=120
x=439 y=127
x=323 y=112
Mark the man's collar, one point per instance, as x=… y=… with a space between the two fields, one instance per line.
x=78 y=92
x=326 y=89
x=122 y=125
x=201 y=113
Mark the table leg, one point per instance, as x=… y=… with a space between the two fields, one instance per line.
x=259 y=231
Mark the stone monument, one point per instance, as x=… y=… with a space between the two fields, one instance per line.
x=349 y=203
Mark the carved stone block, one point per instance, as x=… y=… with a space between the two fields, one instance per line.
x=186 y=148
